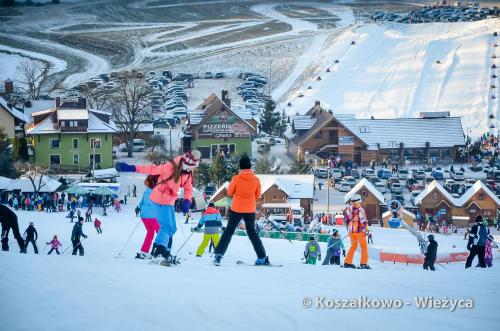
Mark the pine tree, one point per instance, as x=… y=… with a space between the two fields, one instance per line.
x=266 y=165
x=218 y=170
x=270 y=120
x=202 y=175
x=6 y=163
x=299 y=165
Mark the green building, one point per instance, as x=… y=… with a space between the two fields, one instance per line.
x=71 y=136
x=216 y=129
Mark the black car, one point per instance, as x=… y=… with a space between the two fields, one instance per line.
x=399 y=197
x=476 y=168
x=220 y=75
x=209 y=190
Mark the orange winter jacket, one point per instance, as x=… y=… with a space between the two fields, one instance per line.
x=245 y=190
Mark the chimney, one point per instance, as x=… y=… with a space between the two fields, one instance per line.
x=9 y=86
x=58 y=102
x=82 y=102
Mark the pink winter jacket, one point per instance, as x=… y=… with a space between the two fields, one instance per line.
x=165 y=192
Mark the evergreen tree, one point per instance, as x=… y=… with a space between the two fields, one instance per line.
x=202 y=175
x=266 y=165
x=270 y=120
x=6 y=162
x=299 y=165
x=218 y=170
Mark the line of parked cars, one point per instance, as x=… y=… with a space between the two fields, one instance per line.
x=250 y=90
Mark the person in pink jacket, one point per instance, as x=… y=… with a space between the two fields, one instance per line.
x=172 y=176
x=55 y=243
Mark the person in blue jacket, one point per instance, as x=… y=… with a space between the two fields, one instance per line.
x=213 y=222
x=148 y=216
x=335 y=245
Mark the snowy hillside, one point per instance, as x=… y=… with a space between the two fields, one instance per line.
x=392 y=71
x=101 y=292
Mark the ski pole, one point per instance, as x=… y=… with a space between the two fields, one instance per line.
x=126 y=243
x=284 y=235
x=44 y=248
x=79 y=242
x=185 y=241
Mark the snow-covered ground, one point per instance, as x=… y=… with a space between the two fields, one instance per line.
x=392 y=71
x=101 y=292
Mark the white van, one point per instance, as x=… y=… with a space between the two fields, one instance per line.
x=138 y=145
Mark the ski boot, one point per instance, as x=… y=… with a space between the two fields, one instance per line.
x=364 y=266
x=143 y=256
x=263 y=261
x=162 y=256
x=348 y=265
x=217 y=259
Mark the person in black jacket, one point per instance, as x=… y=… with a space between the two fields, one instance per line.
x=430 y=255
x=31 y=237
x=477 y=242
x=75 y=237
x=9 y=221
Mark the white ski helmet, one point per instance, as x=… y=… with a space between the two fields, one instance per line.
x=356 y=197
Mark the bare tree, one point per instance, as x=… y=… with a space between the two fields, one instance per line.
x=97 y=98
x=33 y=77
x=131 y=107
x=37 y=175
x=158 y=153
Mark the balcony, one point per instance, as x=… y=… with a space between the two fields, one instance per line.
x=64 y=129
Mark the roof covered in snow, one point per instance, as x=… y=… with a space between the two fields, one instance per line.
x=412 y=132
x=369 y=186
x=72 y=114
x=104 y=173
x=457 y=202
x=13 y=111
x=409 y=213
x=4 y=182
x=24 y=184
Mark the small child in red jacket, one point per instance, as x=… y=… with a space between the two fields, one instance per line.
x=55 y=245
x=97 y=225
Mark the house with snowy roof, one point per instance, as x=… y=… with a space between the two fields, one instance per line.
x=11 y=119
x=477 y=200
x=320 y=132
x=214 y=128
x=71 y=136
x=371 y=199
x=280 y=193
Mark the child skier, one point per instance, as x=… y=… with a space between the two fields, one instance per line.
x=213 y=222
x=55 y=245
x=147 y=211
x=97 y=224
x=335 y=245
x=312 y=251
x=173 y=175
x=430 y=255
x=244 y=189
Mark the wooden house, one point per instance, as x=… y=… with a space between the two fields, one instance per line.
x=371 y=199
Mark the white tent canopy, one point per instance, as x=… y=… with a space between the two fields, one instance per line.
x=4 y=182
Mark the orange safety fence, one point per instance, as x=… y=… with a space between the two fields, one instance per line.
x=419 y=258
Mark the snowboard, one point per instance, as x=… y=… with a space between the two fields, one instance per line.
x=243 y=263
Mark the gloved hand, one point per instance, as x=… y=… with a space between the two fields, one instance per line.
x=319 y=257
x=223 y=228
x=124 y=167
x=185 y=206
x=469 y=247
x=85 y=236
x=343 y=252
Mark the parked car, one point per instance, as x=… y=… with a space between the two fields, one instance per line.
x=321 y=173
x=138 y=145
x=396 y=188
x=392 y=180
x=220 y=75
x=414 y=195
x=381 y=187
x=368 y=172
x=350 y=180
x=438 y=175
x=355 y=173
x=208 y=75
x=384 y=174
x=336 y=173
x=399 y=197
x=403 y=174
x=494 y=175
x=420 y=175
x=418 y=186
x=375 y=180
x=476 y=168
x=343 y=186
x=458 y=175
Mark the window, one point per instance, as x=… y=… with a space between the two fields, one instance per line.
x=481 y=196
x=95 y=143
x=318 y=135
x=55 y=159
x=54 y=143
x=75 y=142
x=364 y=129
x=275 y=196
x=97 y=158
x=76 y=159
x=232 y=148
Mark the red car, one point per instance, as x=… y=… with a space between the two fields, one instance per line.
x=417 y=186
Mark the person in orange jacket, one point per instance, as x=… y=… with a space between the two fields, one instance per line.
x=357 y=225
x=244 y=189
